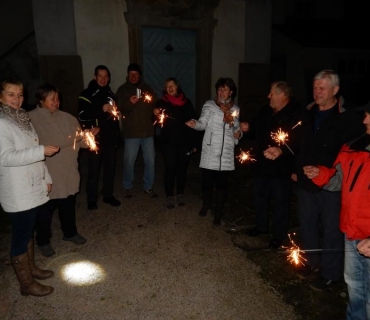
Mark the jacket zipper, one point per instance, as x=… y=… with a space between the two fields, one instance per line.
x=222 y=146
x=355 y=177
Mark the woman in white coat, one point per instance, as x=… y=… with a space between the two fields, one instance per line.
x=24 y=185
x=220 y=120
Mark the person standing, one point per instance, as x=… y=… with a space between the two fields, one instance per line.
x=56 y=127
x=326 y=126
x=96 y=104
x=220 y=121
x=350 y=174
x=272 y=184
x=138 y=130
x=25 y=185
x=177 y=139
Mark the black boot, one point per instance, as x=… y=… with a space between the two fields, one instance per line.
x=207 y=200
x=220 y=202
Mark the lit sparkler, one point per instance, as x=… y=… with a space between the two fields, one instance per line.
x=281 y=137
x=297 y=124
x=295 y=253
x=161 y=117
x=147 y=97
x=114 y=112
x=84 y=135
x=245 y=156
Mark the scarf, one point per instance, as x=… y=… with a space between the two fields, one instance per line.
x=177 y=101
x=225 y=106
x=18 y=117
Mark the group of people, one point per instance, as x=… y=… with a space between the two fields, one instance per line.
x=326 y=163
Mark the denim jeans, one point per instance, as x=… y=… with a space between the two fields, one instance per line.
x=130 y=153
x=357 y=277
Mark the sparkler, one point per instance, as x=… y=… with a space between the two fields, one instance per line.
x=297 y=124
x=295 y=253
x=114 y=112
x=161 y=117
x=147 y=97
x=245 y=156
x=281 y=137
x=84 y=135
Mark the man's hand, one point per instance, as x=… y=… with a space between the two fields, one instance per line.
x=363 y=247
x=190 y=123
x=134 y=99
x=244 y=126
x=157 y=111
x=107 y=107
x=272 y=153
x=311 y=171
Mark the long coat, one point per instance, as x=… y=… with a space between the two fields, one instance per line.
x=218 y=141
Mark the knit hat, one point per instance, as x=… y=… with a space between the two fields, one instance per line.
x=365 y=108
x=133 y=67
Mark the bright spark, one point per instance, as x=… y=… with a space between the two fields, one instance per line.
x=294 y=253
x=245 y=156
x=279 y=136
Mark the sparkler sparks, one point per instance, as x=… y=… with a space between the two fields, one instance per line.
x=245 y=156
x=84 y=135
x=161 y=117
x=147 y=98
x=280 y=137
x=297 y=124
x=295 y=253
x=114 y=112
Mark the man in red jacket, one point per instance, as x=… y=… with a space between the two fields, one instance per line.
x=351 y=175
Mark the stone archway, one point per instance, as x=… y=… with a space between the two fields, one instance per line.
x=181 y=14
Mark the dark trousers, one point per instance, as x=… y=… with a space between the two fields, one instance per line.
x=67 y=217
x=23 y=224
x=176 y=164
x=214 y=179
x=319 y=229
x=276 y=192
x=106 y=156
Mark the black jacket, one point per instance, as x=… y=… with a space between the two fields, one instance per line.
x=262 y=125
x=91 y=113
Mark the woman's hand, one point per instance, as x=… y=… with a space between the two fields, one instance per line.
x=237 y=134
x=49 y=187
x=157 y=111
x=191 y=123
x=50 y=150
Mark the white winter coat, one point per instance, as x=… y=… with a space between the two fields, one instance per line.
x=218 y=141
x=23 y=174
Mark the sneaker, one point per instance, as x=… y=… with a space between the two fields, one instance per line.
x=127 y=193
x=151 y=193
x=77 y=239
x=46 y=250
x=180 y=200
x=322 y=284
x=306 y=271
x=92 y=206
x=170 y=202
x=112 y=201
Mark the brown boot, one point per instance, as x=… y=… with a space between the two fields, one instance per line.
x=28 y=285
x=37 y=273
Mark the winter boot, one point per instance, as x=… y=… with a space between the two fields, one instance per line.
x=207 y=200
x=37 y=273
x=220 y=202
x=28 y=285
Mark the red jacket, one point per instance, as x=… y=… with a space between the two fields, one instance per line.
x=354 y=163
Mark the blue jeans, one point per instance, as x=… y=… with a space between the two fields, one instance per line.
x=357 y=277
x=130 y=153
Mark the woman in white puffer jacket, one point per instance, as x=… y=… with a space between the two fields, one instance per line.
x=220 y=120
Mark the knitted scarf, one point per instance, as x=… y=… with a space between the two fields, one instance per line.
x=177 y=101
x=18 y=117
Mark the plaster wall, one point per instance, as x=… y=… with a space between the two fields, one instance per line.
x=228 y=41
x=102 y=38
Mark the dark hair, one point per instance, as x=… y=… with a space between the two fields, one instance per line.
x=177 y=83
x=10 y=82
x=101 y=67
x=228 y=82
x=44 y=90
x=283 y=86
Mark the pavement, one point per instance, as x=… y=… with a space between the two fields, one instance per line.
x=144 y=261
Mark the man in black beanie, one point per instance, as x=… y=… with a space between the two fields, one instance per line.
x=138 y=130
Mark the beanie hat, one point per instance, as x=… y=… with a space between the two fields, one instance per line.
x=133 y=67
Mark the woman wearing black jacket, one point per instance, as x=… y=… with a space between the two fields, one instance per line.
x=177 y=139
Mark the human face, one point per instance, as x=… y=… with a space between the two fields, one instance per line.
x=324 y=93
x=276 y=98
x=223 y=93
x=102 y=78
x=51 y=102
x=12 y=96
x=171 y=88
x=134 y=77
x=366 y=122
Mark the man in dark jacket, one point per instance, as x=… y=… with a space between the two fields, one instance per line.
x=96 y=104
x=137 y=100
x=272 y=179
